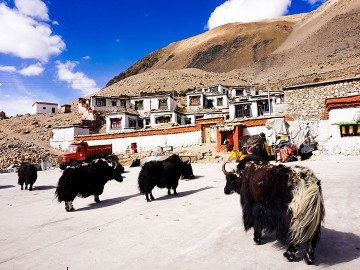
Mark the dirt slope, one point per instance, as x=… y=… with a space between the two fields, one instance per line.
x=320 y=45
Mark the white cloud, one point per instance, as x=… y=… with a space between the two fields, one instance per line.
x=247 y=11
x=32 y=70
x=87 y=57
x=314 y=2
x=20 y=101
x=77 y=80
x=7 y=68
x=33 y=8
x=24 y=34
x=13 y=105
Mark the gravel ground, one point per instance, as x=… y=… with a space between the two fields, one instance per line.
x=201 y=228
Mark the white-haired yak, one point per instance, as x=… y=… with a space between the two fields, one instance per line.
x=86 y=180
x=27 y=174
x=163 y=174
x=280 y=199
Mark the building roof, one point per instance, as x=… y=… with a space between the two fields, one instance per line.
x=44 y=103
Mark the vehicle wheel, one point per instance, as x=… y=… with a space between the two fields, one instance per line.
x=62 y=166
x=73 y=163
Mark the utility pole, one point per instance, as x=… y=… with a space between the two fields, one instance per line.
x=268 y=90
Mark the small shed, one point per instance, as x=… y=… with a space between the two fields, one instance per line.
x=40 y=107
x=66 y=108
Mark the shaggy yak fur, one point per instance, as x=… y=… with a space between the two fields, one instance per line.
x=86 y=180
x=27 y=174
x=163 y=174
x=280 y=199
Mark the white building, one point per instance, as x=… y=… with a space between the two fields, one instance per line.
x=44 y=107
x=62 y=137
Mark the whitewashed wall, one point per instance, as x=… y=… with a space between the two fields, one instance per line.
x=85 y=113
x=63 y=137
x=148 y=143
x=254 y=130
x=39 y=108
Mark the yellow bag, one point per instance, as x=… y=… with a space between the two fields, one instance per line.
x=236 y=155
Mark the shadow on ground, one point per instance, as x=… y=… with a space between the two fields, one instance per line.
x=106 y=203
x=43 y=187
x=7 y=186
x=333 y=248
x=181 y=194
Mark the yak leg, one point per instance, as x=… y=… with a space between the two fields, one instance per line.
x=147 y=196
x=151 y=196
x=289 y=254
x=96 y=198
x=30 y=188
x=169 y=191
x=175 y=193
x=22 y=186
x=257 y=236
x=69 y=206
x=26 y=186
x=309 y=257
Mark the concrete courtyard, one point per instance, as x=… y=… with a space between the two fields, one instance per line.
x=201 y=228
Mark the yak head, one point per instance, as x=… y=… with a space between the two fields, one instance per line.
x=187 y=171
x=111 y=169
x=117 y=171
x=232 y=181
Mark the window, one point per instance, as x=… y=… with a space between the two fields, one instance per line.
x=115 y=123
x=147 y=121
x=195 y=101
x=187 y=121
x=140 y=123
x=132 y=123
x=219 y=102
x=99 y=102
x=53 y=110
x=264 y=106
x=242 y=111
x=214 y=89
x=139 y=105
x=349 y=129
x=44 y=108
x=113 y=103
x=210 y=103
x=163 y=119
x=122 y=103
x=163 y=103
x=240 y=92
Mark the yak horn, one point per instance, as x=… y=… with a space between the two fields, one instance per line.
x=223 y=169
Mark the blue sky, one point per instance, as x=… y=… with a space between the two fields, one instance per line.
x=60 y=50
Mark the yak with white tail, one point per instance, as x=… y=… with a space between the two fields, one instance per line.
x=287 y=201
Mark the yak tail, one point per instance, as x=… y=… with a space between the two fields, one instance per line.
x=307 y=206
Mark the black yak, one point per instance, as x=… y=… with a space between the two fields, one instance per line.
x=27 y=174
x=86 y=180
x=163 y=174
x=280 y=199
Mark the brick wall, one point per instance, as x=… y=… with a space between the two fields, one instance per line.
x=307 y=102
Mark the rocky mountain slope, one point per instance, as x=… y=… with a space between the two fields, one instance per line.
x=305 y=48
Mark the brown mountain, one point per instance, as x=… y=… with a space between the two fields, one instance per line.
x=304 y=48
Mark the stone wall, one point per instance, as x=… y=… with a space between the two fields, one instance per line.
x=307 y=102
